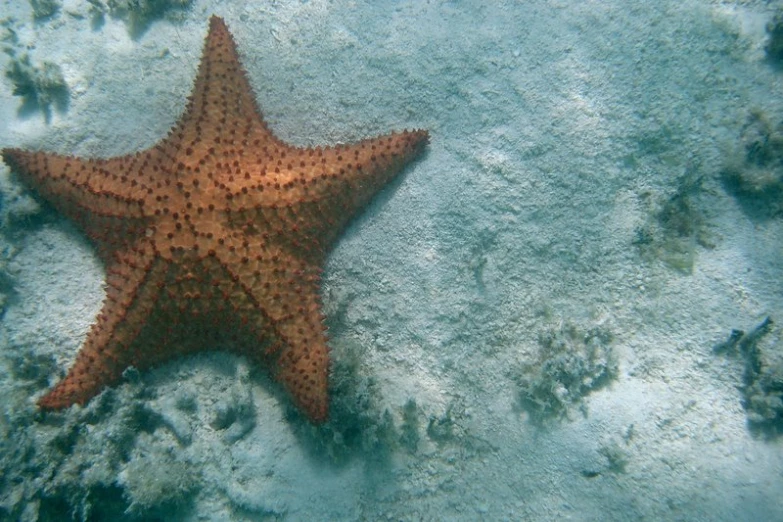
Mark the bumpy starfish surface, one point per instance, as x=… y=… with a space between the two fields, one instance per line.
x=215 y=237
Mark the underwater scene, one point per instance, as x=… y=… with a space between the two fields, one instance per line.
x=391 y=261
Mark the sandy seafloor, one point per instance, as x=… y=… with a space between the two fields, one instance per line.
x=559 y=129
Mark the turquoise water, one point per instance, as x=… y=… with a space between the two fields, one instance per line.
x=559 y=312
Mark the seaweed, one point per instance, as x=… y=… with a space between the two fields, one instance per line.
x=358 y=424
x=157 y=479
x=40 y=86
x=237 y=418
x=762 y=382
x=410 y=426
x=753 y=172
x=572 y=362
x=137 y=14
x=774 y=47
x=43 y=9
x=76 y=457
x=675 y=228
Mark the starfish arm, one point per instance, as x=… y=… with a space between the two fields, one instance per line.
x=103 y=197
x=356 y=172
x=327 y=187
x=109 y=347
x=284 y=290
x=222 y=109
x=76 y=186
x=302 y=357
x=303 y=367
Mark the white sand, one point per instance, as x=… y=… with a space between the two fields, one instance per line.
x=553 y=124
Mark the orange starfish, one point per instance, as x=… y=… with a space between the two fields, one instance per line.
x=215 y=237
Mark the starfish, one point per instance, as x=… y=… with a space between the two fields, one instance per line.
x=215 y=237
